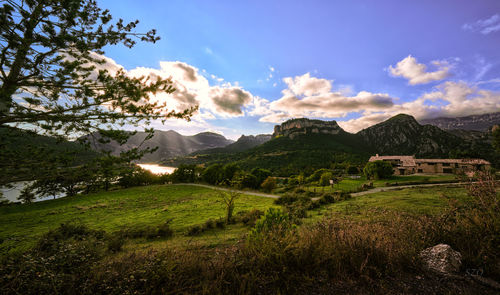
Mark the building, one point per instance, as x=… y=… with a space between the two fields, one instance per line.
x=405 y=165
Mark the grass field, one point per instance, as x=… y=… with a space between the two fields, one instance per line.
x=351 y=185
x=20 y=225
x=429 y=200
x=185 y=206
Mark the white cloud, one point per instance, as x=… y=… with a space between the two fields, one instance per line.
x=484 y=26
x=449 y=99
x=308 y=96
x=192 y=88
x=307 y=85
x=416 y=72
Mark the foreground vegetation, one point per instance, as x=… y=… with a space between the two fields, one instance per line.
x=368 y=244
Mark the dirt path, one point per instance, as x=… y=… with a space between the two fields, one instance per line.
x=230 y=190
x=371 y=191
x=391 y=188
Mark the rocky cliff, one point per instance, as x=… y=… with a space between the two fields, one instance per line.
x=295 y=127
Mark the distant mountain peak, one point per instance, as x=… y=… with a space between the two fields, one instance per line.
x=295 y=127
x=474 y=122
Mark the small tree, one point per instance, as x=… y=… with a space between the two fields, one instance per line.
x=27 y=196
x=378 y=170
x=228 y=198
x=325 y=178
x=269 y=184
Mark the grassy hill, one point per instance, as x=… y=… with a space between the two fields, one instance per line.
x=185 y=206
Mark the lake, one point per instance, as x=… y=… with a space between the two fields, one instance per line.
x=11 y=194
x=157 y=169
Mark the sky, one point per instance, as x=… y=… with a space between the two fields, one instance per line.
x=250 y=65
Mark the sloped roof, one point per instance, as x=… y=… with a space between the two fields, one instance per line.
x=408 y=161
x=455 y=161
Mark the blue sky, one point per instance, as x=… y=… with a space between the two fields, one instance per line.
x=257 y=63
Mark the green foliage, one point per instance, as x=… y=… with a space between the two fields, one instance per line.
x=243 y=179
x=261 y=175
x=184 y=174
x=378 y=170
x=325 y=178
x=351 y=170
x=27 y=196
x=274 y=220
x=317 y=174
x=269 y=184
x=228 y=172
x=213 y=174
x=55 y=79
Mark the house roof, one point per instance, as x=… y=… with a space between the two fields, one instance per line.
x=455 y=161
x=406 y=160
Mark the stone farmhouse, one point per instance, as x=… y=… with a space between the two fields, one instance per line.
x=405 y=165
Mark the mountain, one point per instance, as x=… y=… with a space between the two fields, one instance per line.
x=474 y=122
x=25 y=155
x=170 y=144
x=302 y=144
x=245 y=142
x=403 y=135
x=296 y=127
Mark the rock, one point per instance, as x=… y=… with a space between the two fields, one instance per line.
x=442 y=258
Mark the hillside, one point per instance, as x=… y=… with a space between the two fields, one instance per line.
x=300 y=144
x=170 y=144
x=22 y=151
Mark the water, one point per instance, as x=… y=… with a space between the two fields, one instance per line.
x=157 y=169
x=11 y=193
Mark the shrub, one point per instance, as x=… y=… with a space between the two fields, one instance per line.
x=274 y=220
x=250 y=217
x=195 y=230
x=327 y=198
x=378 y=170
x=325 y=178
x=269 y=184
x=220 y=223
x=209 y=224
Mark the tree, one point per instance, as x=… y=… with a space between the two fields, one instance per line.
x=260 y=174
x=213 y=174
x=228 y=198
x=27 y=196
x=55 y=79
x=325 y=178
x=269 y=184
x=378 y=170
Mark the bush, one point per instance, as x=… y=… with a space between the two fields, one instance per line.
x=327 y=199
x=378 y=170
x=269 y=184
x=209 y=224
x=195 y=230
x=325 y=178
x=249 y=218
x=274 y=220
x=288 y=199
x=351 y=170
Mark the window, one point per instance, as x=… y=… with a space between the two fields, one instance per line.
x=420 y=171
x=446 y=164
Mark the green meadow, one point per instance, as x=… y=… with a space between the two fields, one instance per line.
x=182 y=205
x=352 y=185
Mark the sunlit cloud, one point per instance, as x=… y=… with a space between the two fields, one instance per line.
x=416 y=73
